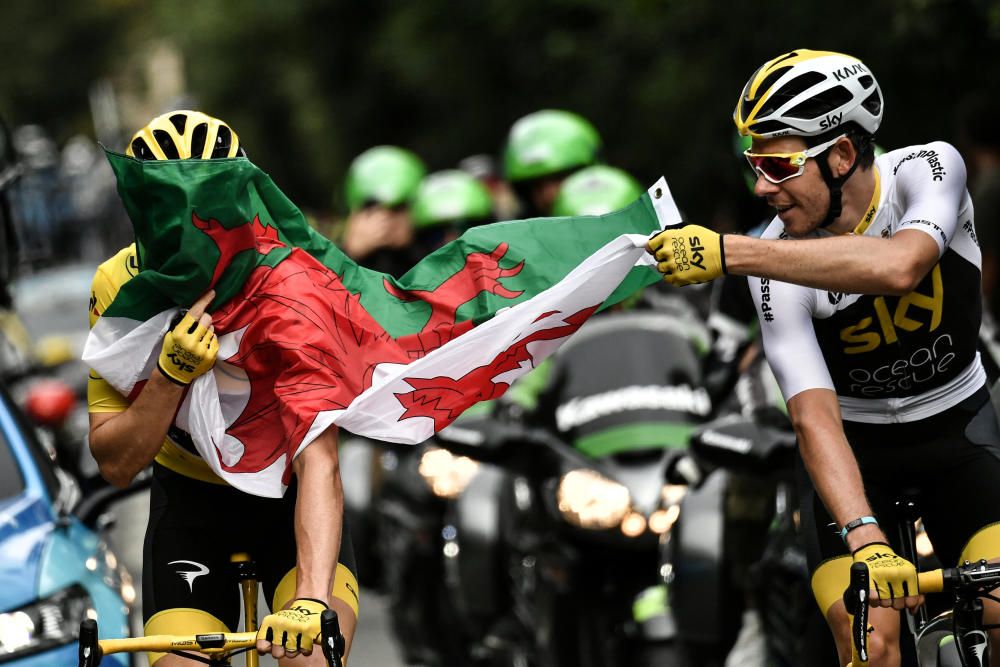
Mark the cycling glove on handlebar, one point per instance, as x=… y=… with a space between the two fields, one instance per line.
x=892 y=576
x=295 y=628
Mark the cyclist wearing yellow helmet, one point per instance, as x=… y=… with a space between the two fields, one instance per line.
x=187 y=583
x=867 y=287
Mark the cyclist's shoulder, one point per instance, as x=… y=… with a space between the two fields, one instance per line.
x=933 y=161
x=110 y=275
x=118 y=269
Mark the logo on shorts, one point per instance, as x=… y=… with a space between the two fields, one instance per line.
x=190 y=575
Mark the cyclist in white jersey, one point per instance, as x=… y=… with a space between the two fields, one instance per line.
x=867 y=286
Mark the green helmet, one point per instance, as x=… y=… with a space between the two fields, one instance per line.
x=385 y=175
x=595 y=191
x=450 y=196
x=548 y=142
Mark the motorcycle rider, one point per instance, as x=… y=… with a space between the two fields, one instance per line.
x=192 y=533
x=379 y=188
x=542 y=149
x=446 y=204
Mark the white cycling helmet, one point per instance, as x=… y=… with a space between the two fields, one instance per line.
x=807 y=93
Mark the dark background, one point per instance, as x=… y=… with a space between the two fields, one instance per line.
x=310 y=84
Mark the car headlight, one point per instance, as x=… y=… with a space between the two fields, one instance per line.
x=446 y=474
x=44 y=624
x=591 y=500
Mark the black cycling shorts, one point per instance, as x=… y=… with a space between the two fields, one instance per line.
x=949 y=462
x=195 y=527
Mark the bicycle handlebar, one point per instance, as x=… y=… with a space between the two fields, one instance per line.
x=93 y=650
x=971 y=579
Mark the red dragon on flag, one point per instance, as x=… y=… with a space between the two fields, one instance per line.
x=302 y=335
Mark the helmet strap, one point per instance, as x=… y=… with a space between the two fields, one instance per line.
x=835 y=185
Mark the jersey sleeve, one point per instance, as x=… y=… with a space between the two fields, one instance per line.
x=101 y=396
x=931 y=181
x=790 y=344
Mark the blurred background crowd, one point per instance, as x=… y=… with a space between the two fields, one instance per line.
x=310 y=85
x=397 y=125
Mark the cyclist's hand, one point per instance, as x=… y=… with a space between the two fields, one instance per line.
x=189 y=349
x=688 y=255
x=893 y=578
x=291 y=630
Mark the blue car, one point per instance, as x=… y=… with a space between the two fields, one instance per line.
x=55 y=571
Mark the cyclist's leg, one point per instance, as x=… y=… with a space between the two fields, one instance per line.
x=828 y=584
x=187 y=584
x=277 y=571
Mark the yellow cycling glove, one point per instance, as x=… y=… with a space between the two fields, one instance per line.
x=892 y=577
x=189 y=350
x=688 y=255
x=295 y=628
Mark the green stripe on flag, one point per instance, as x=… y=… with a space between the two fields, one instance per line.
x=646 y=435
x=178 y=259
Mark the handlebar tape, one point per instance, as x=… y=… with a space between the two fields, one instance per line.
x=930 y=582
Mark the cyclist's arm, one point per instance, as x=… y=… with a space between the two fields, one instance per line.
x=851 y=264
x=793 y=352
x=815 y=414
x=123 y=443
x=124 y=437
x=319 y=509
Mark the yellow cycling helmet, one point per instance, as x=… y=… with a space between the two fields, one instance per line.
x=183 y=134
x=808 y=93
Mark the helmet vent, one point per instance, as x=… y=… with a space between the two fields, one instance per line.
x=772 y=102
x=166 y=144
x=768 y=126
x=785 y=57
x=223 y=142
x=866 y=81
x=179 y=121
x=824 y=103
x=799 y=84
x=198 y=136
x=873 y=104
x=140 y=150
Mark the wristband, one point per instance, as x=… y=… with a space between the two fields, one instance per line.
x=857 y=523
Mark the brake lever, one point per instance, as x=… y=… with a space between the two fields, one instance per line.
x=90 y=650
x=856 y=601
x=333 y=641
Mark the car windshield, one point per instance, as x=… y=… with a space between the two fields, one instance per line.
x=54 y=301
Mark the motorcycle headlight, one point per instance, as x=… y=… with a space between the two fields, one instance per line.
x=663 y=519
x=446 y=474
x=44 y=624
x=591 y=500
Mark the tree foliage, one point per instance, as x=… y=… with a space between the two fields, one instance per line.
x=309 y=84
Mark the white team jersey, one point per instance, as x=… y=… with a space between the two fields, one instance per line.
x=889 y=358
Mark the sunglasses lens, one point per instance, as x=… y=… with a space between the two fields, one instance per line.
x=774 y=168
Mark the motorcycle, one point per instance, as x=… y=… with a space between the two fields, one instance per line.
x=551 y=551
x=409 y=541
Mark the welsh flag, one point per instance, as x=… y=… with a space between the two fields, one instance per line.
x=307 y=338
